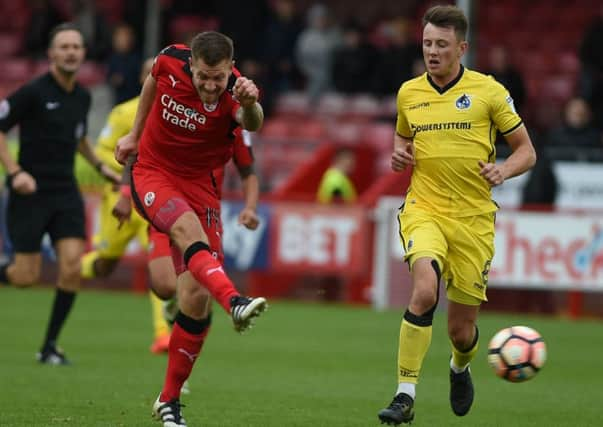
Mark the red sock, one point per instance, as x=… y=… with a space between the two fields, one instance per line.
x=183 y=350
x=209 y=272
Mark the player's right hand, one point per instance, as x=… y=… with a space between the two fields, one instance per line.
x=403 y=156
x=24 y=183
x=249 y=218
x=122 y=210
x=126 y=145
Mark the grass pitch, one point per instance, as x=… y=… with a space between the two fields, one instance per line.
x=302 y=365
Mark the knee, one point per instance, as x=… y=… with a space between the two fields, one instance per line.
x=21 y=277
x=70 y=270
x=425 y=287
x=461 y=334
x=198 y=302
x=163 y=283
x=163 y=290
x=104 y=267
x=183 y=233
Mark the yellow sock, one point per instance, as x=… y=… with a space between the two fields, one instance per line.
x=88 y=265
x=160 y=326
x=414 y=343
x=460 y=359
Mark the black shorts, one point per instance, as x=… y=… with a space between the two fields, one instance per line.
x=59 y=214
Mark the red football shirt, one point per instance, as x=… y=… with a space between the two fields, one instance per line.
x=182 y=135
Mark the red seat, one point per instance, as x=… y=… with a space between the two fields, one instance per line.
x=276 y=128
x=16 y=69
x=559 y=87
x=10 y=44
x=364 y=106
x=332 y=104
x=292 y=103
x=91 y=74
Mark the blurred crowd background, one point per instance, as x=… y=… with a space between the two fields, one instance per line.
x=329 y=72
x=339 y=61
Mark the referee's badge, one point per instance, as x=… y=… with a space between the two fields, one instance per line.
x=149 y=198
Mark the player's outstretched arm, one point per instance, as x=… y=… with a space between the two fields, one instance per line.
x=251 y=115
x=128 y=144
x=521 y=159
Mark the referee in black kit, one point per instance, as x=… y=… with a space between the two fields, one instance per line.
x=44 y=197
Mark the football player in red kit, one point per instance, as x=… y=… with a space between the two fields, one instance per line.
x=189 y=107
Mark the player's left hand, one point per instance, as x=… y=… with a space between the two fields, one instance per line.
x=249 y=218
x=245 y=91
x=122 y=210
x=491 y=173
x=109 y=174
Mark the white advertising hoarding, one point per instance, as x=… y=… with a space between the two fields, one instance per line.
x=548 y=250
x=580 y=185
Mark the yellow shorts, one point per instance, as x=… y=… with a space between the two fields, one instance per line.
x=462 y=247
x=111 y=242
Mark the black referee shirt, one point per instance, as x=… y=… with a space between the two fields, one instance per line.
x=51 y=124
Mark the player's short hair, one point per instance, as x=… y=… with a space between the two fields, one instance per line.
x=65 y=26
x=448 y=16
x=212 y=47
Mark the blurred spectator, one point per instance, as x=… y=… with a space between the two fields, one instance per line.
x=43 y=17
x=398 y=60
x=506 y=74
x=577 y=129
x=542 y=185
x=354 y=62
x=591 y=57
x=94 y=27
x=281 y=35
x=335 y=185
x=314 y=51
x=123 y=65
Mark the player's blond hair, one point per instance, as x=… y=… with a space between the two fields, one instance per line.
x=212 y=47
x=447 y=16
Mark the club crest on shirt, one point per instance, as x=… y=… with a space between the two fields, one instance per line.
x=210 y=107
x=149 y=198
x=463 y=102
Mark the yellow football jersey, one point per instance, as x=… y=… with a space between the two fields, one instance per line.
x=452 y=129
x=119 y=123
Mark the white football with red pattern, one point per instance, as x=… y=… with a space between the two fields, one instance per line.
x=517 y=353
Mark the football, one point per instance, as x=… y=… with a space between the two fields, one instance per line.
x=517 y=353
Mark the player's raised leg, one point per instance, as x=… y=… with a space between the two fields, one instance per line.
x=191 y=239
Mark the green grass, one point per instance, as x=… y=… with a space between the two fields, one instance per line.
x=303 y=365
